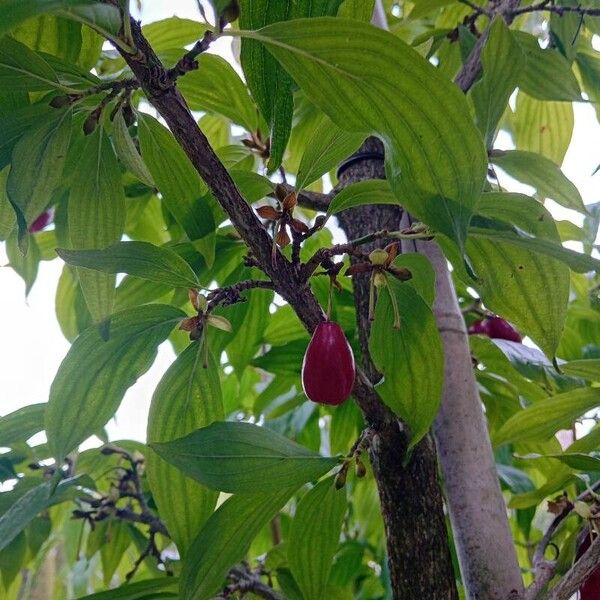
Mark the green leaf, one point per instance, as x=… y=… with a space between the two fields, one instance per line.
x=225 y=540
x=284 y=326
x=372 y=191
x=21 y=69
x=586 y=368
x=327 y=147
x=543 y=419
x=423 y=7
x=410 y=358
x=22 y=512
x=435 y=160
x=71 y=311
x=14 y=125
x=510 y=278
x=127 y=151
x=345 y=420
x=547 y=74
x=103 y=18
x=36 y=499
x=588 y=64
x=140 y=259
x=172 y=32
x=96 y=214
x=248 y=336
x=8 y=218
x=581 y=263
x=180 y=185
x=26 y=266
x=160 y=587
x=252 y=185
x=14 y=12
x=241 y=458
x=502 y=62
x=542 y=174
x=314 y=537
x=543 y=127
x=188 y=397
x=574 y=460
x=423 y=275
x=12 y=559
x=51 y=35
x=216 y=87
x=20 y=425
x=361 y=10
x=270 y=85
x=37 y=165
x=116 y=542
x=95 y=374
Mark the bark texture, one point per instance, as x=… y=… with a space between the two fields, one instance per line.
x=411 y=497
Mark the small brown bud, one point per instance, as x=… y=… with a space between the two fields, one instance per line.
x=128 y=115
x=60 y=101
x=90 y=124
x=361 y=470
x=281 y=192
x=340 y=480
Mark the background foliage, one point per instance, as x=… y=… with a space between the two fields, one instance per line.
x=239 y=465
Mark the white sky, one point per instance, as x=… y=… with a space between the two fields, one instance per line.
x=32 y=346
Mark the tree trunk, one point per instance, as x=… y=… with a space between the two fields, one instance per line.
x=411 y=498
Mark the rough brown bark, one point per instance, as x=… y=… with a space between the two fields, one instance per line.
x=411 y=497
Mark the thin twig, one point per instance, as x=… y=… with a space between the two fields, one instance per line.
x=543 y=568
x=245 y=580
x=311 y=200
x=226 y=296
x=188 y=61
x=545 y=541
x=577 y=574
x=553 y=8
x=351 y=247
x=479 y=10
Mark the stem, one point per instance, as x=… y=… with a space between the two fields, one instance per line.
x=394 y=301
x=559 y=10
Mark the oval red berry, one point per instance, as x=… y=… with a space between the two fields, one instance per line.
x=501 y=329
x=480 y=327
x=328 y=369
x=41 y=222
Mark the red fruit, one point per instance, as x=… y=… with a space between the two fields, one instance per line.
x=481 y=327
x=328 y=369
x=41 y=222
x=499 y=328
x=590 y=590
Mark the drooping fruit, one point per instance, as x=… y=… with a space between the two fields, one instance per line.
x=501 y=329
x=495 y=327
x=41 y=222
x=328 y=369
x=480 y=327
